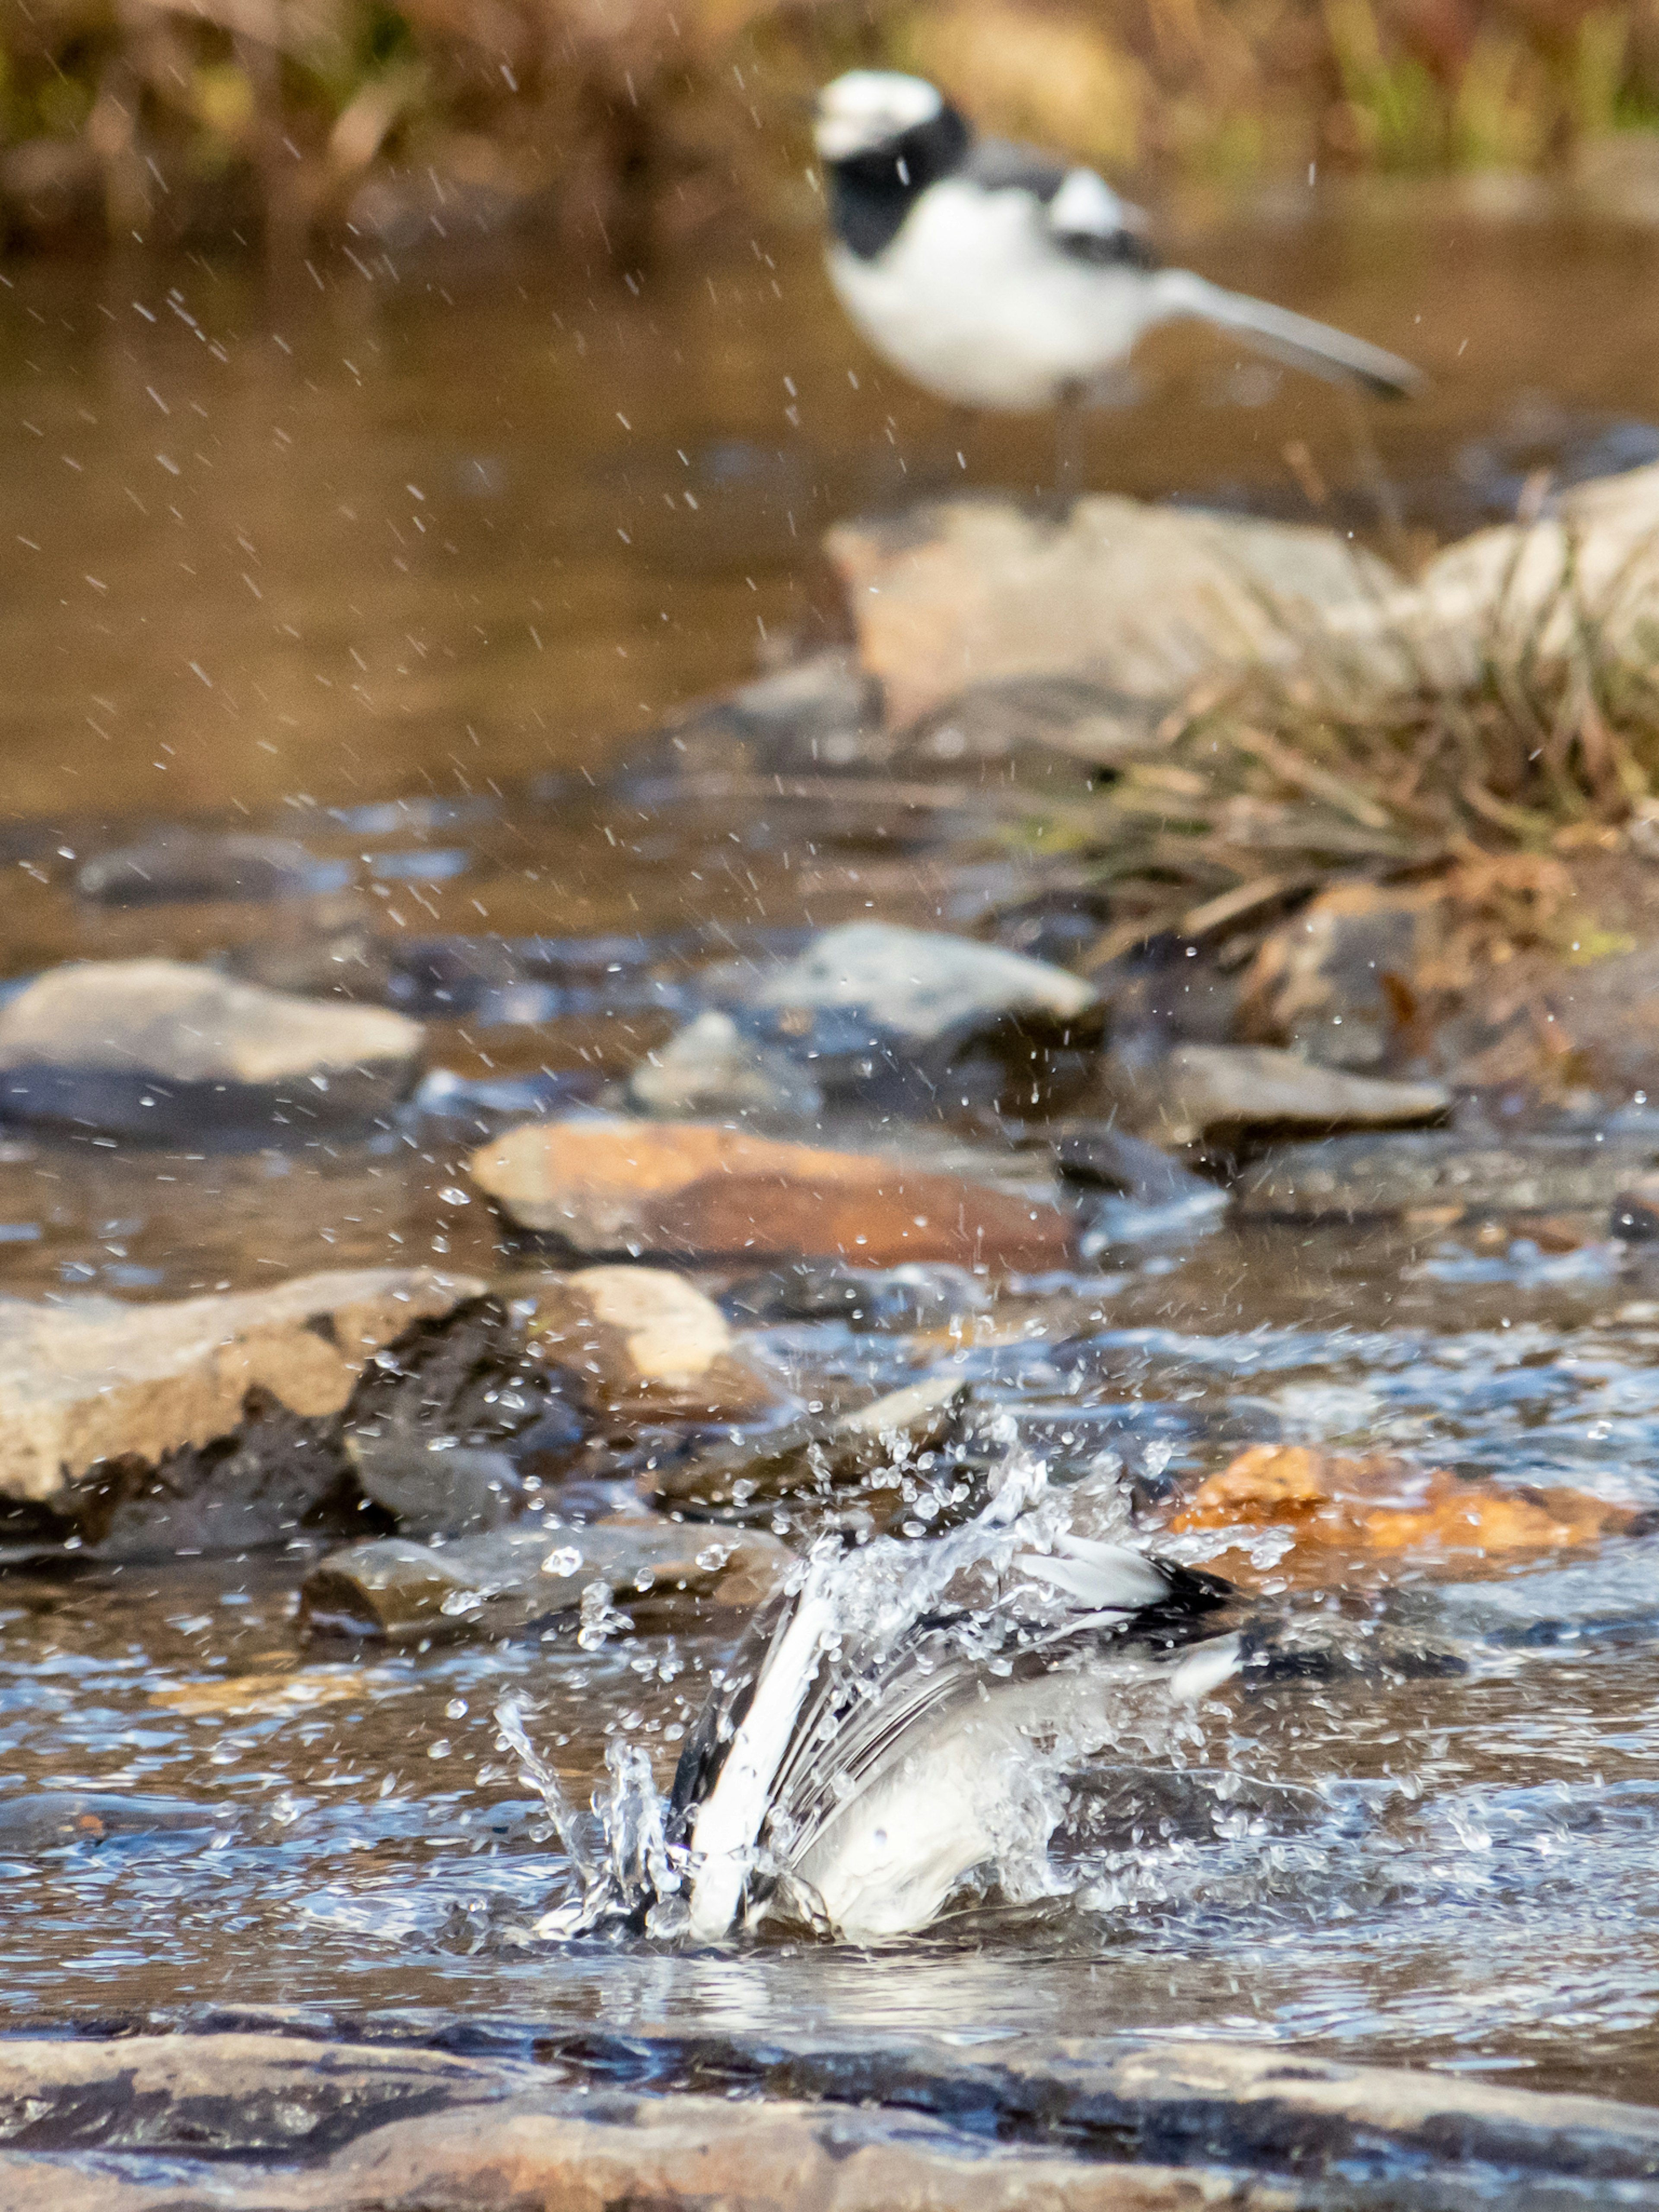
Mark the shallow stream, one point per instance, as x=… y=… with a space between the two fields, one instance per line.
x=400 y=560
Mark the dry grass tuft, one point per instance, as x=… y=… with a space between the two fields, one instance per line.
x=1342 y=762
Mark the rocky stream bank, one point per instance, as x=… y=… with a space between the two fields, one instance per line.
x=1102 y=1040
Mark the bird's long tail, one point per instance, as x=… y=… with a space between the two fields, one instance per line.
x=1296 y=340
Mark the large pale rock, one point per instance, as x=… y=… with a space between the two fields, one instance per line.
x=1220 y=1092
x=693 y=1189
x=154 y=1048
x=104 y=1406
x=1595 y=554
x=975 y=591
x=655 y=1569
x=645 y=1342
x=282 y=2122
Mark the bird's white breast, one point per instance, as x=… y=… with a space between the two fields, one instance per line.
x=974 y=299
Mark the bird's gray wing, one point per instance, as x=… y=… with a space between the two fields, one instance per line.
x=1085 y=218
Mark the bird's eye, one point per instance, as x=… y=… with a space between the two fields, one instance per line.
x=903 y=170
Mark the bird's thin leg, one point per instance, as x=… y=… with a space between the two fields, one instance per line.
x=945 y=460
x=1391 y=521
x=1070 y=445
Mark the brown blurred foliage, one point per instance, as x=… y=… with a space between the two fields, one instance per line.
x=625 y=121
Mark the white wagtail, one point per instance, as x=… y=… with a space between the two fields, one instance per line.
x=898 y=1717
x=997 y=276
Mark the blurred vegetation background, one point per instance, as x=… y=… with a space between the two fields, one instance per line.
x=624 y=125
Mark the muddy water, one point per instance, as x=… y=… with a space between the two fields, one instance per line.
x=397 y=560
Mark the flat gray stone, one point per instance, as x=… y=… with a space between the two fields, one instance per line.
x=656 y=1570
x=157 y=1050
x=1214 y=1091
x=922 y=984
x=197 y=865
x=1348 y=1177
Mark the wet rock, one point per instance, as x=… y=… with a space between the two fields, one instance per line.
x=820 y=713
x=203 y=2096
x=908 y=1297
x=900 y=1016
x=52 y=1819
x=1564 y=1031
x=1350 y=1517
x=374 y=2131
x=1142 y=599
x=156 y=1050
x=1220 y=1094
x=711 y=1067
x=1436 y=1171
x=475 y=1107
x=433 y=1486
x=217 y=1422
x=1636 y=1212
x=1157 y=998
x=883 y=1440
x=641 y=1341
x=1332 y=982
x=695 y=1190
x=1105 y=1157
x=198 y=864
x=283 y=2121
x=333 y=953
x=525 y=979
x=655 y=1571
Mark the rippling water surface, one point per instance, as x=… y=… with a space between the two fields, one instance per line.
x=398 y=561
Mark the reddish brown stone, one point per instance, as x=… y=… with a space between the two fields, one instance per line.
x=697 y=1191
x=1348 y=1518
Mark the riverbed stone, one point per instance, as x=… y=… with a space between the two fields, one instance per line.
x=1636 y=1212
x=433 y=1486
x=877 y=1013
x=875 y=1445
x=711 y=1067
x=1443 y=1174
x=656 y=1571
x=1344 y=1518
x=200 y=865
x=275 y=2117
x=1331 y=981
x=1221 y=1094
x=1142 y=599
x=212 y=1422
x=694 y=1189
x=1104 y=1157
x=156 y=1050
x=645 y=1343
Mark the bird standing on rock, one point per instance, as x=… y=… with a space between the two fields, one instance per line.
x=997 y=276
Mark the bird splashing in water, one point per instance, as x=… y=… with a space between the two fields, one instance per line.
x=898 y=1718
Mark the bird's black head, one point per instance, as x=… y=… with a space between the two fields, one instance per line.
x=884 y=139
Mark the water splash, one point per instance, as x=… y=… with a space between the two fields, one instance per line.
x=906 y=1717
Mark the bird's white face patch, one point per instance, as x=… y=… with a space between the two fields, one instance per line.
x=867 y=108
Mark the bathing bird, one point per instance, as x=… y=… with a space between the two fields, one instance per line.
x=902 y=1713
x=997 y=277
